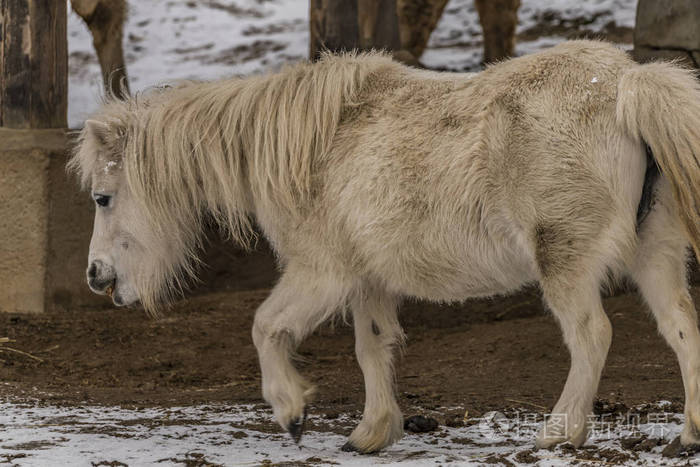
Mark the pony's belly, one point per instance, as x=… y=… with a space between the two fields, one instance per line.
x=468 y=277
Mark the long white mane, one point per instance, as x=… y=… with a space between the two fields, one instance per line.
x=203 y=148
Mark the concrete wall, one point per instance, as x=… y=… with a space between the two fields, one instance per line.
x=668 y=30
x=45 y=224
x=23 y=225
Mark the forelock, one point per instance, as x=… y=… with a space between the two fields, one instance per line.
x=101 y=139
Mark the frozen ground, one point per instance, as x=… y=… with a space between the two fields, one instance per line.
x=167 y=40
x=38 y=435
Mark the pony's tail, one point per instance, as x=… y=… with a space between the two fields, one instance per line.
x=659 y=103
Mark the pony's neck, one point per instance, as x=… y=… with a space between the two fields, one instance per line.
x=237 y=145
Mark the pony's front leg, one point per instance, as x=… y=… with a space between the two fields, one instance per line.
x=377 y=333
x=298 y=304
x=588 y=333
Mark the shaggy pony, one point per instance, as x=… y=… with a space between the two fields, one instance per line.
x=373 y=181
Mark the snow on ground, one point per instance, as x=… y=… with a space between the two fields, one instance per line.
x=39 y=435
x=167 y=40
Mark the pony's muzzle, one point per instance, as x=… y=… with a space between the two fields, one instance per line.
x=101 y=277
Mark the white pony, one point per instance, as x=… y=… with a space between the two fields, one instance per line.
x=374 y=181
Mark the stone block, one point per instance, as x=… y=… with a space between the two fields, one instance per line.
x=668 y=24
x=23 y=228
x=45 y=225
x=644 y=54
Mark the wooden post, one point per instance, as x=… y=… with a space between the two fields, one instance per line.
x=498 y=19
x=333 y=26
x=417 y=20
x=33 y=64
x=35 y=250
x=379 y=24
x=344 y=25
x=401 y=27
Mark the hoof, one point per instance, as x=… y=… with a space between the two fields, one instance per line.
x=371 y=436
x=548 y=443
x=551 y=443
x=296 y=427
x=690 y=436
x=349 y=447
x=551 y=436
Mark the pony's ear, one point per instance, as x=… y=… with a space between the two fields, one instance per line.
x=97 y=130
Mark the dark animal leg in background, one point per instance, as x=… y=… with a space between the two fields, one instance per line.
x=498 y=20
x=105 y=19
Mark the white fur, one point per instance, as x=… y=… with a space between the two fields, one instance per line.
x=373 y=181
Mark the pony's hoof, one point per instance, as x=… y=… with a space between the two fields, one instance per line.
x=552 y=435
x=548 y=443
x=690 y=436
x=296 y=427
x=551 y=442
x=372 y=436
x=349 y=447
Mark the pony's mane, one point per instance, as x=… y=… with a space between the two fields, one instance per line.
x=207 y=147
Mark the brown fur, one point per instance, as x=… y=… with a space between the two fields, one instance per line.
x=105 y=19
x=498 y=19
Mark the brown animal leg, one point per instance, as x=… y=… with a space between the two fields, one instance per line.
x=417 y=20
x=367 y=13
x=498 y=20
x=105 y=19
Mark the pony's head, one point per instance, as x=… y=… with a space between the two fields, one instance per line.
x=117 y=248
x=159 y=164
x=143 y=244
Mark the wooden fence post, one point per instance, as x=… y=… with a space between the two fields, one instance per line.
x=33 y=64
x=40 y=222
x=344 y=25
x=332 y=26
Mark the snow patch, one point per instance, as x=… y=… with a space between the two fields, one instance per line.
x=37 y=435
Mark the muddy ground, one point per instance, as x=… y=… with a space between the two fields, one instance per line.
x=483 y=355
x=504 y=354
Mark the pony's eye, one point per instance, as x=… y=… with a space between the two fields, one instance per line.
x=102 y=200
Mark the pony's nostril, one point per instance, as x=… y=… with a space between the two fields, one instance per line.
x=101 y=277
x=92 y=271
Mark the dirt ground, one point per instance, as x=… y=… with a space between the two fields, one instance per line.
x=483 y=354
x=504 y=354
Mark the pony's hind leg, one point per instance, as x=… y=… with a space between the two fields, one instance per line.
x=587 y=332
x=298 y=304
x=377 y=333
x=660 y=273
